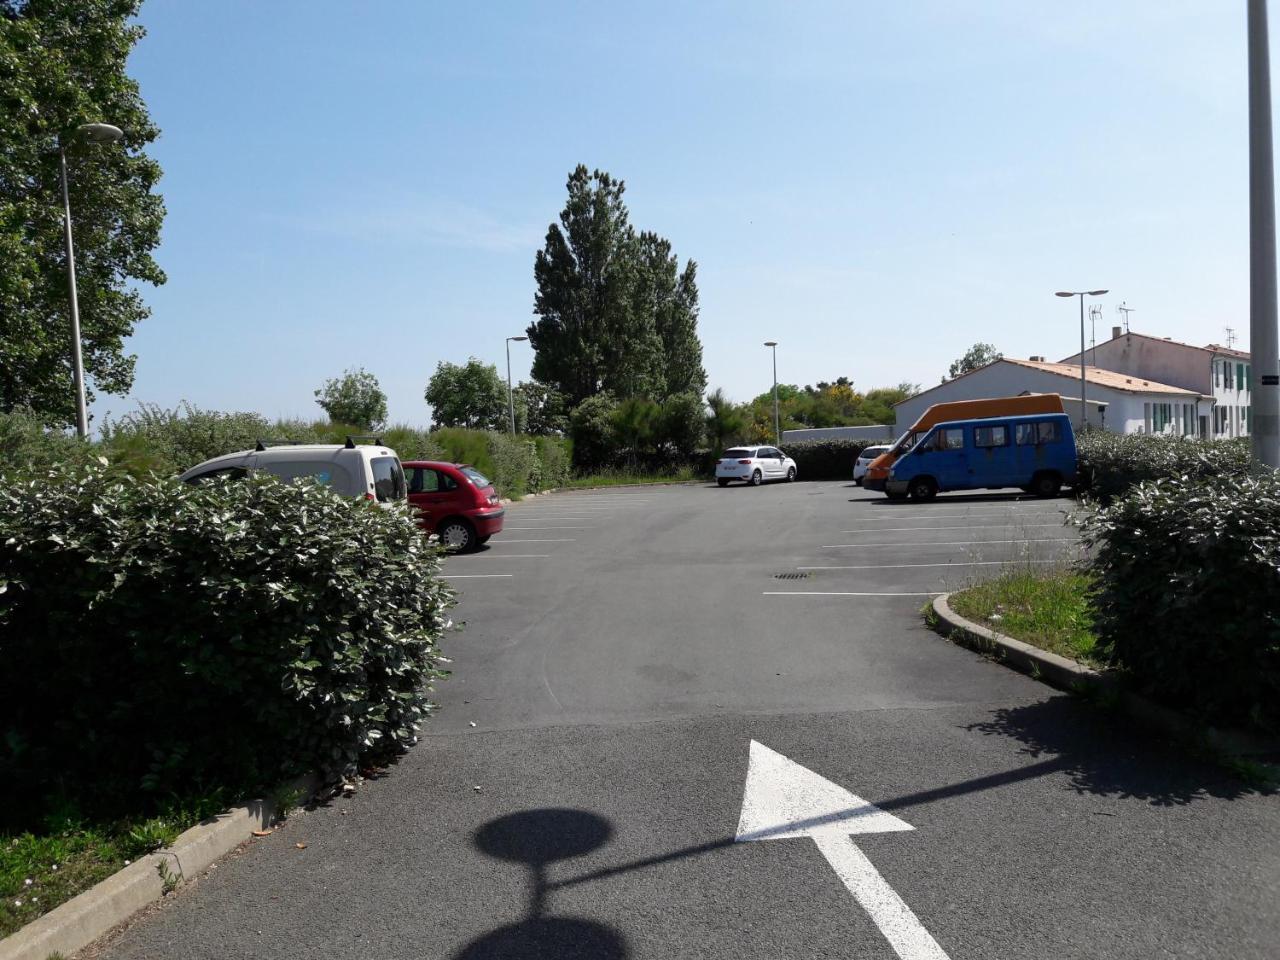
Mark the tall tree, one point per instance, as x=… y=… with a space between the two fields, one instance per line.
x=354 y=398
x=615 y=311
x=726 y=422
x=62 y=63
x=472 y=395
x=540 y=410
x=979 y=355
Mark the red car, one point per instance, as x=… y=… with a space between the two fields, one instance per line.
x=454 y=501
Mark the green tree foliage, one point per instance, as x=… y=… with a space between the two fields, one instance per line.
x=591 y=427
x=62 y=63
x=615 y=312
x=472 y=395
x=726 y=422
x=540 y=410
x=354 y=398
x=835 y=404
x=681 y=424
x=636 y=423
x=979 y=355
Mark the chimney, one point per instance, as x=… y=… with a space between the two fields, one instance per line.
x=1115 y=333
x=1035 y=359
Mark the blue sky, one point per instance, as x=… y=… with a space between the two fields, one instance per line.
x=874 y=185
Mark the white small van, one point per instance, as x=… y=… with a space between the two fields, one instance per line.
x=351 y=469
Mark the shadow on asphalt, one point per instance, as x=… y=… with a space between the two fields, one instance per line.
x=536 y=838
x=942 y=501
x=1100 y=754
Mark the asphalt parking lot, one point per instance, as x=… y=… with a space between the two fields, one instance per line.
x=580 y=791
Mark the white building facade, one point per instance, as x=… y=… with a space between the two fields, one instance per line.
x=1222 y=375
x=1113 y=401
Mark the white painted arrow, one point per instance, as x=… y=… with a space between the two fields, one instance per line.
x=783 y=799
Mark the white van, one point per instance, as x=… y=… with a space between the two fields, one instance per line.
x=351 y=469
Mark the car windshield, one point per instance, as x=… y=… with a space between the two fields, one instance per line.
x=475 y=476
x=388 y=479
x=735 y=454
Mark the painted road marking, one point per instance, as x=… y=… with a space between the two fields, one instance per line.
x=952 y=543
x=959 y=526
x=474 y=576
x=545 y=528
x=550 y=540
x=783 y=800
x=566 y=518
x=957 y=563
x=509 y=556
x=842 y=593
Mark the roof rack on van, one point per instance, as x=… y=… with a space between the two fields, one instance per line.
x=353 y=437
x=269 y=442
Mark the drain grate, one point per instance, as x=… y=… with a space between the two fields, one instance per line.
x=791 y=576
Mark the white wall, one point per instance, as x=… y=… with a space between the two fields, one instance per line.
x=1160 y=361
x=881 y=432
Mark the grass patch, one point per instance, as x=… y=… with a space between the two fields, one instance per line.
x=46 y=866
x=1048 y=609
x=614 y=478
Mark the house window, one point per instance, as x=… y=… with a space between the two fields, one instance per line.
x=1217 y=376
x=1226 y=375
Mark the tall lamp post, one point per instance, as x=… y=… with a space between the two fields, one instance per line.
x=1264 y=418
x=89 y=133
x=1081 y=294
x=777 y=423
x=511 y=404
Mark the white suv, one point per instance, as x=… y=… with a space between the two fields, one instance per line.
x=754 y=465
x=353 y=470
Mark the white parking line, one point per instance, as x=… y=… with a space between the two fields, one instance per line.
x=959 y=563
x=963 y=526
x=566 y=518
x=496 y=543
x=475 y=576
x=546 y=528
x=950 y=543
x=842 y=593
x=507 y=556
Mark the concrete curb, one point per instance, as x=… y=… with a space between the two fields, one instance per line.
x=86 y=917
x=1076 y=678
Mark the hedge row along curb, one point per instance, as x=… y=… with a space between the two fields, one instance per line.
x=84 y=918
x=1074 y=677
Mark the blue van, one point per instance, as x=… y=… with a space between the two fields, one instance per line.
x=1036 y=452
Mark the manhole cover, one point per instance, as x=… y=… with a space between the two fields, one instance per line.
x=791 y=576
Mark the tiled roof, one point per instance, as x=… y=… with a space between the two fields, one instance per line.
x=1103 y=378
x=1228 y=351
x=1210 y=348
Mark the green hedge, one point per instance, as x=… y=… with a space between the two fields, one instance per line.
x=158 y=637
x=1187 y=592
x=827 y=459
x=1110 y=464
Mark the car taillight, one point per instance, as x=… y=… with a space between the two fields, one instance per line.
x=744 y=461
x=370 y=496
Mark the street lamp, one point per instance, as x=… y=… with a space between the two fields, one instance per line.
x=88 y=133
x=1264 y=418
x=511 y=404
x=1081 y=294
x=777 y=423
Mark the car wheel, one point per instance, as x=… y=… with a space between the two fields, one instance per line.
x=922 y=488
x=483 y=540
x=756 y=479
x=1046 y=484
x=722 y=481
x=791 y=474
x=857 y=481
x=458 y=536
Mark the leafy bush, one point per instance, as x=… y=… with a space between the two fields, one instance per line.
x=826 y=459
x=1111 y=463
x=1188 y=592
x=514 y=467
x=26 y=444
x=591 y=427
x=555 y=462
x=681 y=423
x=157 y=636
x=170 y=441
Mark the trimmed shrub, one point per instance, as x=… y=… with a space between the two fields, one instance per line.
x=1187 y=593
x=826 y=459
x=170 y=441
x=157 y=636
x=555 y=462
x=1111 y=463
x=591 y=427
x=513 y=462
x=26 y=444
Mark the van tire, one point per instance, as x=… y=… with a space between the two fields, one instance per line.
x=1046 y=484
x=458 y=535
x=922 y=488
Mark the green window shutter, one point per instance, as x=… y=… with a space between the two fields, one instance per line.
x=1239 y=376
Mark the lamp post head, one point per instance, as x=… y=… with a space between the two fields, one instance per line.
x=517 y=338
x=98 y=133
x=1064 y=293
x=1097 y=293
x=771 y=343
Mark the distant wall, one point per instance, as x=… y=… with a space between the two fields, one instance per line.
x=878 y=432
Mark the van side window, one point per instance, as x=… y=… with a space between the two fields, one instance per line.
x=235 y=473
x=1046 y=431
x=324 y=472
x=951 y=439
x=991 y=436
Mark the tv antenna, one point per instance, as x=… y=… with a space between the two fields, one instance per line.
x=1095 y=311
x=1126 y=310
x=1231 y=337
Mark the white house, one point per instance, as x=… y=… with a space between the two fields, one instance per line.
x=1113 y=401
x=1219 y=373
